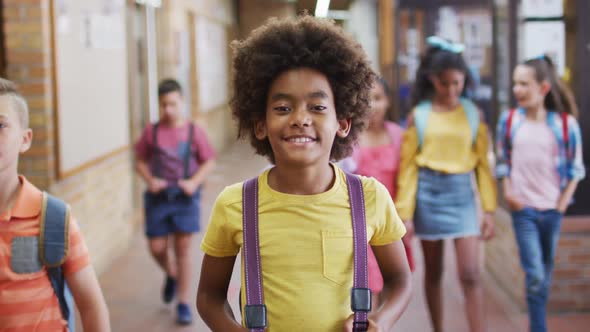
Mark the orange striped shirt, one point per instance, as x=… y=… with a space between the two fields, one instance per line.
x=27 y=300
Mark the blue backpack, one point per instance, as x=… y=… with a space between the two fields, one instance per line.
x=423 y=109
x=53 y=250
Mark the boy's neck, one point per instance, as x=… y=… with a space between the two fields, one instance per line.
x=297 y=180
x=10 y=186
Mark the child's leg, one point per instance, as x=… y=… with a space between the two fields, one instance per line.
x=527 y=233
x=433 y=271
x=469 y=260
x=184 y=264
x=159 y=250
x=549 y=226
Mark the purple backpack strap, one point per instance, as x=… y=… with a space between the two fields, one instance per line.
x=360 y=301
x=255 y=311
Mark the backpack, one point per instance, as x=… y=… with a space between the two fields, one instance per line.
x=423 y=109
x=508 y=138
x=53 y=250
x=255 y=310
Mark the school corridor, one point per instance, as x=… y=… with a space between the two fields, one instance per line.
x=132 y=284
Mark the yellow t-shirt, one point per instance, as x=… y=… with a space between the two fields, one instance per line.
x=306 y=248
x=448 y=147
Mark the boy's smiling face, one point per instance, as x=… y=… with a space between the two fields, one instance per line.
x=300 y=121
x=14 y=139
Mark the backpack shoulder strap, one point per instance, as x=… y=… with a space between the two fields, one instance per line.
x=421 y=113
x=472 y=114
x=565 y=134
x=155 y=133
x=53 y=250
x=255 y=310
x=361 y=294
x=187 y=155
x=508 y=134
x=53 y=233
x=157 y=167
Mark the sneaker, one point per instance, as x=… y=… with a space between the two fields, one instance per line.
x=184 y=314
x=169 y=289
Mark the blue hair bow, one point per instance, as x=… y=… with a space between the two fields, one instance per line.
x=445 y=45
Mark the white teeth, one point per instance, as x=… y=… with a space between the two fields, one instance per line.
x=300 y=140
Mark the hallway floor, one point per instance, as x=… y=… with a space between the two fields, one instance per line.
x=132 y=285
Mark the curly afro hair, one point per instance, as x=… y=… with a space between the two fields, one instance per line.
x=282 y=45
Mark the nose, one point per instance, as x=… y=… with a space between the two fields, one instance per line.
x=300 y=117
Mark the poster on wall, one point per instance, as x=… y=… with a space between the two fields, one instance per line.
x=541 y=8
x=212 y=63
x=545 y=38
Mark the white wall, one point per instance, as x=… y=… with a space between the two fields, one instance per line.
x=363 y=25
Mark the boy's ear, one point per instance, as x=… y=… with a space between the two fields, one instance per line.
x=260 y=129
x=344 y=126
x=27 y=139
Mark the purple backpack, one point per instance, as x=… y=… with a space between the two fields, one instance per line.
x=255 y=310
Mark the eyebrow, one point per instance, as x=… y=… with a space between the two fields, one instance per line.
x=312 y=95
x=318 y=94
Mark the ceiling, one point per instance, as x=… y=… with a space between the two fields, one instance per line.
x=310 y=5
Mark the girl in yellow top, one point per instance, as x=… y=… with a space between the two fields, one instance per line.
x=444 y=146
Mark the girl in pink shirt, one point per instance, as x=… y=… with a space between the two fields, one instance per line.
x=540 y=163
x=378 y=154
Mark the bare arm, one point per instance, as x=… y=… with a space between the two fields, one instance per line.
x=89 y=300
x=204 y=170
x=212 y=294
x=397 y=284
x=143 y=170
x=513 y=203
x=566 y=196
x=189 y=186
x=154 y=184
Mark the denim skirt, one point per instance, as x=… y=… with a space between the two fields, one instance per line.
x=445 y=206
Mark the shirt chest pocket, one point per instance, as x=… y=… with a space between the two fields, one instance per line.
x=337 y=254
x=24 y=257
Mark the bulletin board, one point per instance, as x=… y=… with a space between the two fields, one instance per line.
x=211 y=52
x=90 y=82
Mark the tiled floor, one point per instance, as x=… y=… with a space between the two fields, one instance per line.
x=132 y=284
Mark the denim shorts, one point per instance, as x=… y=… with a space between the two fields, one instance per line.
x=171 y=211
x=445 y=206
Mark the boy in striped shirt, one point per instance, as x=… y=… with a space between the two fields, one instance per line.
x=27 y=299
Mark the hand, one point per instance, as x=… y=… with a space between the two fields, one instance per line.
x=562 y=206
x=188 y=186
x=409 y=231
x=155 y=185
x=373 y=327
x=487 y=226
x=513 y=203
